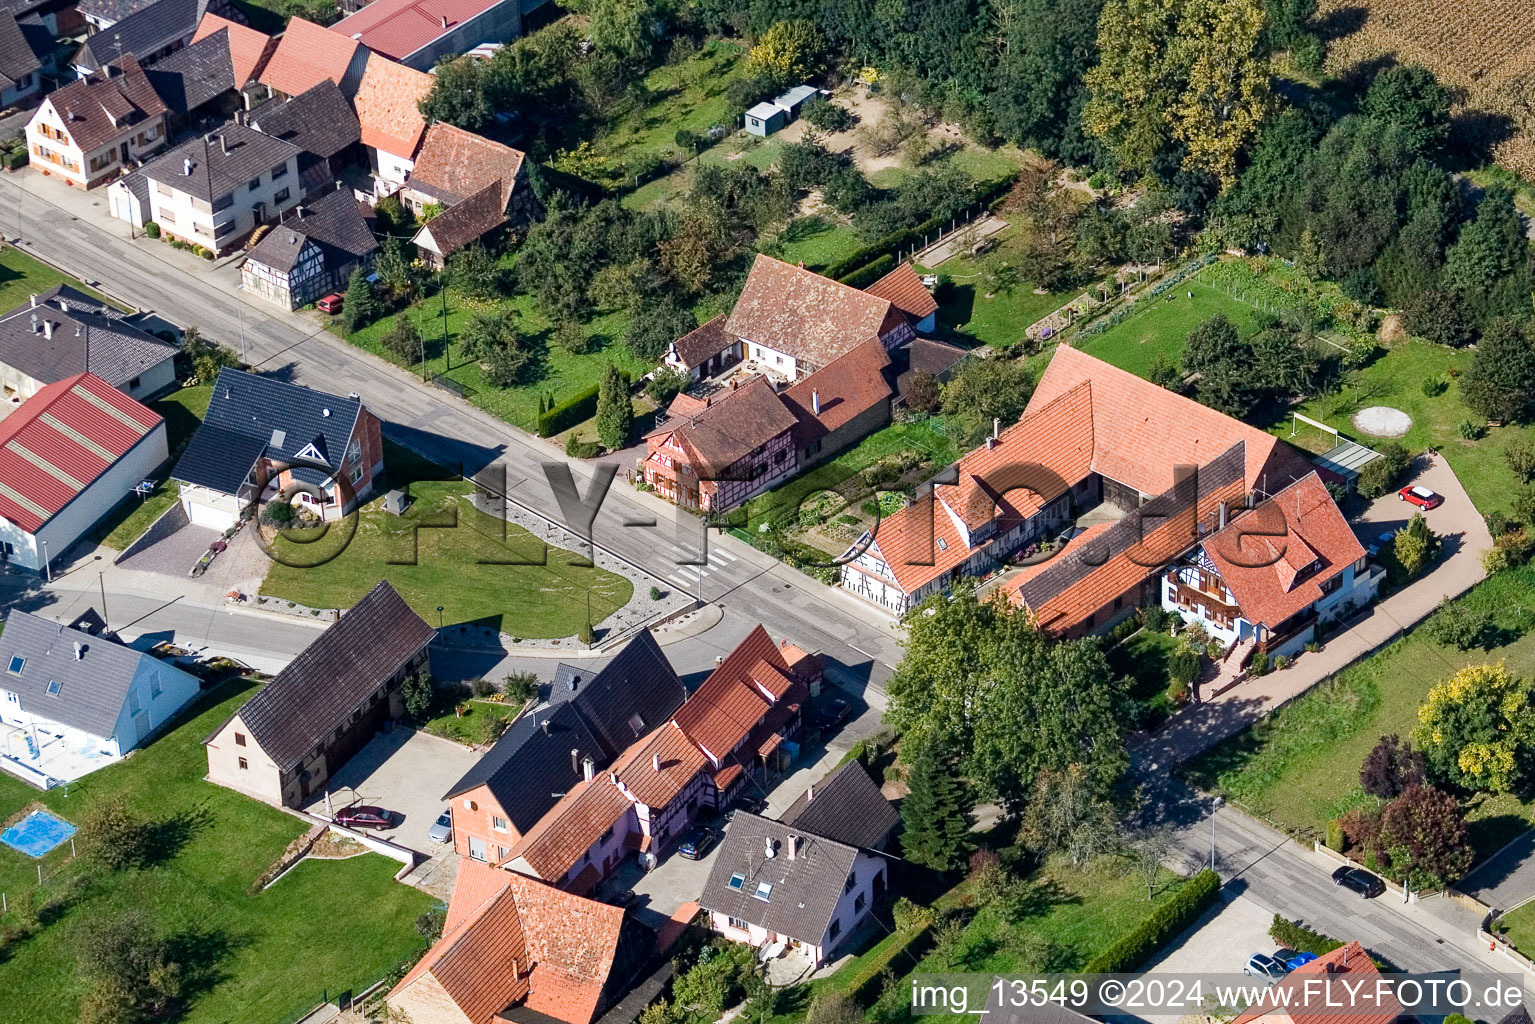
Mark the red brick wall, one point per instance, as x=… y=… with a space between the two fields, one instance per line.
x=477 y=823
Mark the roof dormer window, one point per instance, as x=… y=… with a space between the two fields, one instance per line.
x=17 y=664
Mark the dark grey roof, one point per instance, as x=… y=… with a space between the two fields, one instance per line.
x=846 y=806
x=112 y=10
x=219 y=162
x=92 y=687
x=17 y=56
x=136 y=183
x=806 y=887
x=195 y=74
x=334 y=223
x=318 y=120
x=335 y=675
x=144 y=31
x=249 y=416
x=599 y=712
x=87 y=335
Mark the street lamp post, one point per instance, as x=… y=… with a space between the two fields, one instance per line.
x=439 y=617
x=239 y=305
x=1215 y=806
x=47 y=563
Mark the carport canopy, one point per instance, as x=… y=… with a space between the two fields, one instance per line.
x=1347 y=458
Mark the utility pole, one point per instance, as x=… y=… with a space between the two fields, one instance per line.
x=101 y=578
x=446 y=362
x=1215 y=806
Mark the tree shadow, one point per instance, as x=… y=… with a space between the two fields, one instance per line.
x=1475 y=134
x=201 y=954
x=167 y=838
x=1344 y=21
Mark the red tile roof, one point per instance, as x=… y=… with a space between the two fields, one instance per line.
x=461 y=163
x=509 y=939
x=386 y=104
x=571 y=827
x=249 y=50
x=1141 y=431
x=62 y=440
x=800 y=313
x=722 y=712
x=1263 y=554
x=306 y=55
x=1330 y=1003
x=906 y=292
x=398 y=28
x=679 y=762
x=847 y=387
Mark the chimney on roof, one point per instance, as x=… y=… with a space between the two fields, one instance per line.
x=815 y=402
x=48 y=329
x=575 y=761
x=79 y=651
x=34 y=300
x=996 y=426
x=792 y=845
x=655 y=762
x=63 y=306
x=1223 y=515
x=223 y=144
x=444 y=21
x=588 y=768
x=544 y=725
x=809 y=793
x=186 y=166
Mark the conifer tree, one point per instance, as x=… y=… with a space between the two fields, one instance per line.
x=937 y=811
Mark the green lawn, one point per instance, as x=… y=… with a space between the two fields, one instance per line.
x=480 y=722
x=1159 y=326
x=818 y=241
x=1143 y=657
x=22 y=276
x=1519 y=926
x=967 y=313
x=183 y=411
x=558 y=373
x=478 y=574
x=1300 y=765
x=326 y=927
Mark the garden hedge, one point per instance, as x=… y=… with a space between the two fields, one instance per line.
x=16 y=160
x=577 y=409
x=1133 y=949
x=1300 y=938
x=870 y=272
x=986 y=193
x=865 y=985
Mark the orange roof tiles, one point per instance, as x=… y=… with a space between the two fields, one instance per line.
x=678 y=759
x=845 y=388
x=462 y=163
x=386 y=105
x=906 y=292
x=1141 y=431
x=571 y=827
x=249 y=50
x=800 y=313
x=1263 y=554
x=306 y=55
x=730 y=429
x=1330 y=1003
x=510 y=939
x=725 y=709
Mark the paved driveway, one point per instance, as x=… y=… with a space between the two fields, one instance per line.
x=1465 y=537
x=406 y=772
x=1507 y=879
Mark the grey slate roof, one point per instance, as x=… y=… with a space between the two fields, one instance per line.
x=805 y=889
x=87 y=335
x=335 y=675
x=92 y=688
x=528 y=768
x=18 y=57
x=195 y=74
x=221 y=161
x=143 y=32
x=334 y=223
x=318 y=120
x=112 y=10
x=846 y=806
x=249 y=416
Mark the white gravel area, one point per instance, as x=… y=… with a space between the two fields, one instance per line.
x=1382 y=421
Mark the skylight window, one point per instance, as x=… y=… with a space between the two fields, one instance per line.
x=53 y=687
x=764 y=891
x=17 y=664
x=943 y=544
x=737 y=880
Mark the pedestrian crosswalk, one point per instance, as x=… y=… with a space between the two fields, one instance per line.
x=690 y=575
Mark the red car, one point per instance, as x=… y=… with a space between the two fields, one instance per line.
x=1421 y=496
x=364 y=816
x=330 y=304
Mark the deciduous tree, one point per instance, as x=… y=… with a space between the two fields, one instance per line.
x=1475 y=729
x=1390 y=768
x=1423 y=834
x=1068 y=815
x=983 y=390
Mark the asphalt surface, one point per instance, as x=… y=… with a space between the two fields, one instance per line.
x=74 y=232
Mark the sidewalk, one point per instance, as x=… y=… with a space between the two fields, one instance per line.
x=1201 y=726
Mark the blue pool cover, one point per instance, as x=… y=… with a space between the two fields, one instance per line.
x=37 y=833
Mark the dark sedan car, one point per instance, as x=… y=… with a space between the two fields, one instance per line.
x=833 y=713
x=364 y=816
x=1359 y=880
x=696 y=844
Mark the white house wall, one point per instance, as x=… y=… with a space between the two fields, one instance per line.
x=176 y=688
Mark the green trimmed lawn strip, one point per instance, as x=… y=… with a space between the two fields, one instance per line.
x=22 y=276
x=1299 y=766
x=327 y=926
x=463 y=567
x=1519 y=925
x=967 y=313
x=183 y=411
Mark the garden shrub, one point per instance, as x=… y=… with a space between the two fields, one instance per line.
x=1165 y=922
x=151 y=230
x=1335 y=835
x=576 y=409
x=1300 y=938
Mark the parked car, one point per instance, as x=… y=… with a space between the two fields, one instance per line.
x=696 y=844
x=1359 y=880
x=1383 y=541
x=1261 y=965
x=331 y=304
x=1420 y=496
x=833 y=713
x=364 y=816
x=1292 y=959
x=624 y=898
x=442 y=829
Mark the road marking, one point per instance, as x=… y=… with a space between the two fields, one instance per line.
x=724 y=555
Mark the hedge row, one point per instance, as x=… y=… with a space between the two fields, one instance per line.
x=870 y=272
x=1164 y=923
x=577 y=409
x=893 y=243
x=1300 y=938
x=865 y=985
